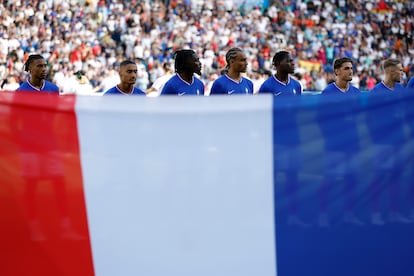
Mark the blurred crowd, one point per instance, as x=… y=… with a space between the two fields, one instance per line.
x=84 y=41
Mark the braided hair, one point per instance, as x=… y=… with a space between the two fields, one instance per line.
x=232 y=54
x=30 y=60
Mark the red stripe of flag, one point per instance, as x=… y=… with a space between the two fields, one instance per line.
x=43 y=219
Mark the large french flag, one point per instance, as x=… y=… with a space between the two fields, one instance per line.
x=217 y=186
x=132 y=186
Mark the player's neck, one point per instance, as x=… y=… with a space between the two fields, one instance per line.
x=389 y=83
x=126 y=88
x=36 y=82
x=188 y=77
x=282 y=77
x=342 y=84
x=236 y=76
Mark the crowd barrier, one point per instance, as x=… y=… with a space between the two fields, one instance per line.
x=237 y=185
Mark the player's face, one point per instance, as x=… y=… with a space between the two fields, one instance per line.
x=38 y=69
x=345 y=72
x=194 y=64
x=287 y=65
x=397 y=73
x=239 y=63
x=128 y=73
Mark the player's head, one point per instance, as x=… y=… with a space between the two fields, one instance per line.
x=283 y=62
x=343 y=68
x=393 y=69
x=30 y=60
x=187 y=61
x=128 y=72
x=236 y=60
x=166 y=66
x=36 y=65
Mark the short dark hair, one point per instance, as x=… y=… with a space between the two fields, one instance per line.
x=30 y=60
x=390 y=62
x=279 y=57
x=126 y=62
x=180 y=57
x=338 y=62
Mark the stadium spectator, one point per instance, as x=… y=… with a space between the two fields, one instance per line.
x=159 y=83
x=79 y=34
x=10 y=83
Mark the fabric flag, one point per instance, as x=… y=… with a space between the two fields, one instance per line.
x=206 y=185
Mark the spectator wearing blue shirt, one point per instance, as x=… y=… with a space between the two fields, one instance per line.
x=232 y=82
x=128 y=73
x=37 y=67
x=187 y=63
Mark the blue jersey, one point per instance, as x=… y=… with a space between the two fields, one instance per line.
x=278 y=88
x=337 y=118
x=382 y=88
x=47 y=87
x=385 y=114
x=410 y=84
x=116 y=91
x=286 y=130
x=228 y=86
x=177 y=86
x=332 y=89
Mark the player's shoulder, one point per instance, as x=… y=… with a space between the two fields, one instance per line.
x=110 y=91
x=197 y=79
x=329 y=88
x=23 y=86
x=249 y=81
x=51 y=86
x=355 y=89
x=220 y=79
x=294 y=81
x=138 y=91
